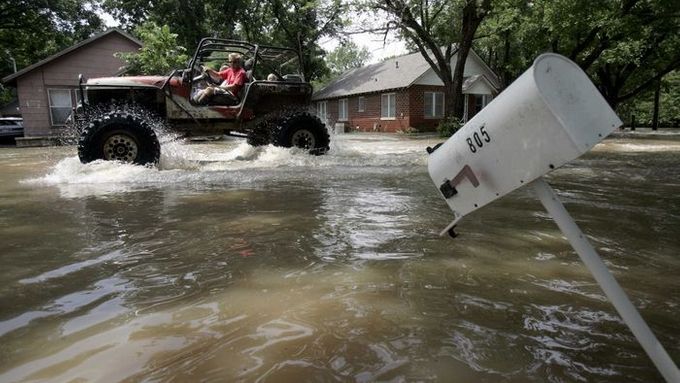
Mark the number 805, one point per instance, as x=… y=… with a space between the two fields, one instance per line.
x=478 y=139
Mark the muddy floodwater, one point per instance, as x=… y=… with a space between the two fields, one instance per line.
x=236 y=264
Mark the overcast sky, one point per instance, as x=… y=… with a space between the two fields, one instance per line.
x=375 y=45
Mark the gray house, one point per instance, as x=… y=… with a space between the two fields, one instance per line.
x=46 y=90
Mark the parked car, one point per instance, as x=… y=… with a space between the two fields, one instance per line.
x=11 y=128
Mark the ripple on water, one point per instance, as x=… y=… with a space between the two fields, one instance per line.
x=222 y=280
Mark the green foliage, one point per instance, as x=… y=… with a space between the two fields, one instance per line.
x=301 y=24
x=160 y=53
x=624 y=45
x=6 y=95
x=188 y=18
x=449 y=126
x=33 y=30
x=298 y=24
x=345 y=57
x=643 y=106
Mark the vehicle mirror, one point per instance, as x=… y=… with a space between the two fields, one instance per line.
x=549 y=116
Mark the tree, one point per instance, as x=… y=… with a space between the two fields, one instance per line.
x=296 y=24
x=642 y=106
x=344 y=57
x=35 y=29
x=160 y=53
x=508 y=40
x=303 y=23
x=188 y=18
x=626 y=46
x=439 y=29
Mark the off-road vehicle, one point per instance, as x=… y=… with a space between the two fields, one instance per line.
x=117 y=114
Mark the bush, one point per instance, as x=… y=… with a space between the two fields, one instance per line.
x=448 y=126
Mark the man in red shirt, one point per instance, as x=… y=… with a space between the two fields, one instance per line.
x=234 y=78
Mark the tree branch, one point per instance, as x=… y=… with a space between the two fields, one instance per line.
x=675 y=64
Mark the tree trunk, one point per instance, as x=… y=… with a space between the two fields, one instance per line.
x=449 y=99
x=506 y=76
x=655 y=115
x=472 y=17
x=457 y=83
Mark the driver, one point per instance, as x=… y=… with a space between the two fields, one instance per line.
x=234 y=78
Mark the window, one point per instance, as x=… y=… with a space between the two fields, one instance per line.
x=362 y=104
x=61 y=104
x=487 y=99
x=434 y=104
x=321 y=111
x=342 y=109
x=388 y=106
x=482 y=100
x=479 y=102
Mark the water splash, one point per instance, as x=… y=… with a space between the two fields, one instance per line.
x=229 y=161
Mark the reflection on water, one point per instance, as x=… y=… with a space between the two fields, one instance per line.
x=233 y=263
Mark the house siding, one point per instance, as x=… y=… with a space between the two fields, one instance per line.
x=410 y=101
x=369 y=120
x=417 y=112
x=92 y=60
x=409 y=112
x=33 y=104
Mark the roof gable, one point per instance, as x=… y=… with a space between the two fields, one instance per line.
x=478 y=82
x=14 y=76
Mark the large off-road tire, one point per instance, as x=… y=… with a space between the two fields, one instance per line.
x=119 y=136
x=302 y=130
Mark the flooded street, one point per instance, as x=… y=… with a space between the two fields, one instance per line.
x=268 y=265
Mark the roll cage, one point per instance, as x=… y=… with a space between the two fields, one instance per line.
x=265 y=59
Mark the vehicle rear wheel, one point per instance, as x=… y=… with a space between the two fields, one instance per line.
x=302 y=130
x=119 y=136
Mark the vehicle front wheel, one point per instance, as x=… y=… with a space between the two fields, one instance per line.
x=119 y=136
x=302 y=130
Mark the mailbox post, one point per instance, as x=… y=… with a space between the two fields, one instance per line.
x=549 y=116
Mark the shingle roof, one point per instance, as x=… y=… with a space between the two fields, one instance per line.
x=395 y=73
x=29 y=68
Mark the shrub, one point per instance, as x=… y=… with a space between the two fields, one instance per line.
x=448 y=126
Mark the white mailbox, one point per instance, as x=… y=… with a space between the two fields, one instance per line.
x=550 y=115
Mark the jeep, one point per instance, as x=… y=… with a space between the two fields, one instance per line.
x=116 y=116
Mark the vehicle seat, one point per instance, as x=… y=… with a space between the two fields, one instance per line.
x=223 y=99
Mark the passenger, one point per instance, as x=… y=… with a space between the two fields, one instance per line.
x=272 y=77
x=228 y=91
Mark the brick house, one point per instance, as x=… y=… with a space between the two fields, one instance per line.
x=46 y=90
x=399 y=93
